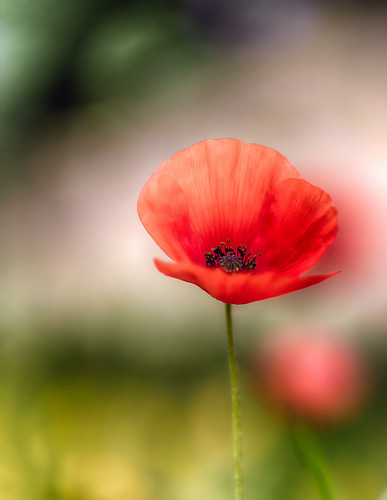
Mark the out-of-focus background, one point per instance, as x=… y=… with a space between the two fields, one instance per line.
x=113 y=378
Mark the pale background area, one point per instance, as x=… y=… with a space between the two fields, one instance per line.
x=316 y=94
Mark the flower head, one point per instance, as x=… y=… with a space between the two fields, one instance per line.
x=237 y=220
x=311 y=374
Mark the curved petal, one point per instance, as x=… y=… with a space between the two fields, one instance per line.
x=298 y=223
x=215 y=190
x=163 y=211
x=237 y=288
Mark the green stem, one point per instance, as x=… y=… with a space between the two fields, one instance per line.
x=236 y=416
x=310 y=456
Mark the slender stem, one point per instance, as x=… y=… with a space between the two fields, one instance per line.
x=236 y=416
x=312 y=459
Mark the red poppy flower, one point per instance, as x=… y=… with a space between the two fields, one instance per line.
x=237 y=220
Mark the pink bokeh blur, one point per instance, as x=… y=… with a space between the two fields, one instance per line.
x=312 y=374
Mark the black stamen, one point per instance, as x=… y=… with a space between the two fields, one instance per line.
x=225 y=258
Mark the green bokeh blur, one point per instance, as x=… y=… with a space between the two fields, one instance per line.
x=113 y=386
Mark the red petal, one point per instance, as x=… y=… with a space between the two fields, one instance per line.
x=298 y=223
x=163 y=210
x=240 y=288
x=209 y=192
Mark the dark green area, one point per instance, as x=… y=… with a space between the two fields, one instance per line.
x=64 y=57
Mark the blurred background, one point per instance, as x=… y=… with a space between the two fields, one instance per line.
x=114 y=378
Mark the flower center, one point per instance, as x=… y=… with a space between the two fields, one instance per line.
x=231 y=261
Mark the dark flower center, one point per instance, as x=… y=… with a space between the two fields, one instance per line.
x=231 y=261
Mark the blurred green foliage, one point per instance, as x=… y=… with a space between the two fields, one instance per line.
x=97 y=418
x=58 y=57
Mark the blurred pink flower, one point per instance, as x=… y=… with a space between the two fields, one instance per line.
x=361 y=243
x=319 y=378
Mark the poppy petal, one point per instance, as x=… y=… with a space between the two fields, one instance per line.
x=240 y=288
x=163 y=211
x=298 y=223
x=215 y=191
